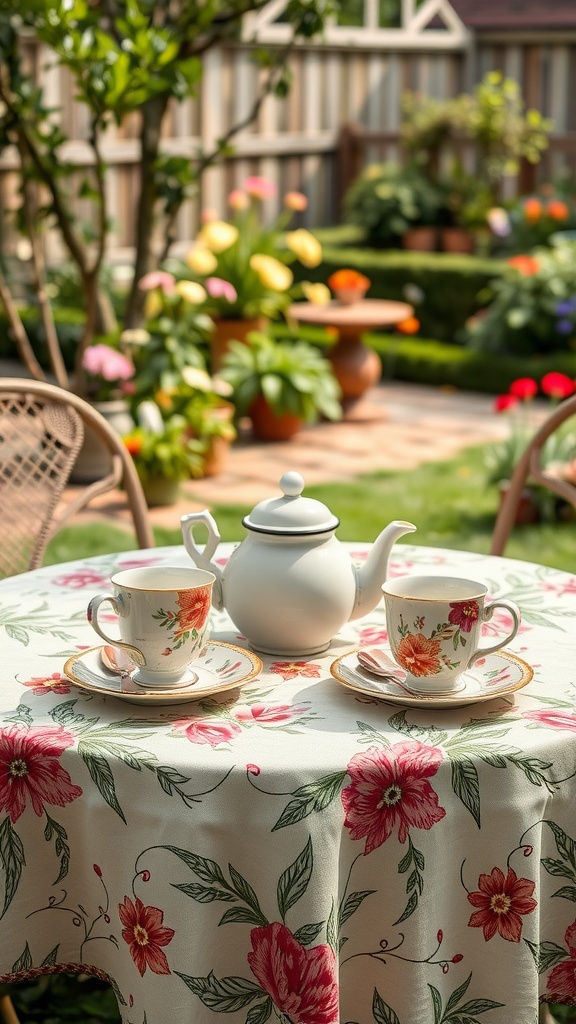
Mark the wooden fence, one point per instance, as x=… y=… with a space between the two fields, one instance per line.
x=298 y=142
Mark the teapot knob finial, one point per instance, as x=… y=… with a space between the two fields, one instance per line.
x=292 y=484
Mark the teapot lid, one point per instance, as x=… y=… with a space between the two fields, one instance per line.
x=291 y=514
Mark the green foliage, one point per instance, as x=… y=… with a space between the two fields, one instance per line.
x=388 y=199
x=531 y=309
x=293 y=376
x=171 y=453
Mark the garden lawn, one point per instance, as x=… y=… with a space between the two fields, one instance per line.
x=448 y=502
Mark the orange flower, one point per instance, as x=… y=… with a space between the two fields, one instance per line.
x=532 y=210
x=525 y=265
x=347 y=279
x=557 y=210
x=419 y=654
x=134 y=445
x=409 y=326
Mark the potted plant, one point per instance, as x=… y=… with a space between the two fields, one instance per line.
x=107 y=384
x=280 y=385
x=394 y=204
x=164 y=453
x=243 y=264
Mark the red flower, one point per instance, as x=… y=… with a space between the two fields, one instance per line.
x=558 y=210
x=419 y=654
x=292 y=669
x=133 y=444
x=561 y=985
x=504 y=402
x=525 y=265
x=464 y=614
x=532 y=210
x=301 y=982
x=263 y=715
x=144 y=933
x=557 y=385
x=206 y=730
x=54 y=683
x=389 y=789
x=555 y=719
x=523 y=388
x=194 y=608
x=501 y=901
x=30 y=769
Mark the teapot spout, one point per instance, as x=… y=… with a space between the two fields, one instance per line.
x=374 y=572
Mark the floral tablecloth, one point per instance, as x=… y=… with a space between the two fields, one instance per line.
x=292 y=850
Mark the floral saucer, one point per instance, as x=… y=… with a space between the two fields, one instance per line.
x=496 y=675
x=220 y=667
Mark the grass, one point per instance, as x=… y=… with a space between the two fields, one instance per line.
x=452 y=508
x=449 y=502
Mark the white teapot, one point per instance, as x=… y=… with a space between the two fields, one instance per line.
x=290 y=586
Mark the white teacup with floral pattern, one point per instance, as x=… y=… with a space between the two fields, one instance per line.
x=434 y=625
x=162 y=618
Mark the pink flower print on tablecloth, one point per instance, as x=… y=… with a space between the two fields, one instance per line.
x=389 y=789
x=301 y=982
x=556 y=719
x=292 y=669
x=464 y=614
x=372 y=635
x=211 y=731
x=501 y=901
x=561 y=986
x=500 y=623
x=81 y=578
x=273 y=714
x=145 y=934
x=418 y=654
x=55 y=683
x=30 y=770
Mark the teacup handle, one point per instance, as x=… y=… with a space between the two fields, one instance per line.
x=92 y=616
x=489 y=609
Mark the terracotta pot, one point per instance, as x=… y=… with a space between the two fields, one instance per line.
x=268 y=426
x=94 y=461
x=348 y=296
x=422 y=239
x=216 y=458
x=226 y=331
x=458 y=240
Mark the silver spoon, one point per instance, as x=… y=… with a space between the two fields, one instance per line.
x=116 y=660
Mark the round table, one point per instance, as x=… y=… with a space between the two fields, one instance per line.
x=292 y=849
x=356 y=366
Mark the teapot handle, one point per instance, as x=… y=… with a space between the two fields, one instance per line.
x=203 y=557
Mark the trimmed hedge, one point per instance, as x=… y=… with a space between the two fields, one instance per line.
x=451 y=285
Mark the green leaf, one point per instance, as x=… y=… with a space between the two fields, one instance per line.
x=457 y=994
x=294 y=881
x=24 y=961
x=203 y=893
x=557 y=867
x=101 y=775
x=308 y=932
x=546 y=954
x=381 y=1011
x=565 y=846
x=567 y=892
x=206 y=869
x=260 y=1014
x=245 y=891
x=408 y=909
x=241 y=915
x=436 y=1003
x=465 y=784
x=353 y=901
x=225 y=996
x=12 y=859
x=313 y=797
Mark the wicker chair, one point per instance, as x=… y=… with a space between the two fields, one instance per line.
x=41 y=432
x=529 y=469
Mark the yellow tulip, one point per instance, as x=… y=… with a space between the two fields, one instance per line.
x=218 y=235
x=191 y=292
x=153 y=305
x=272 y=273
x=201 y=260
x=318 y=294
x=305 y=247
